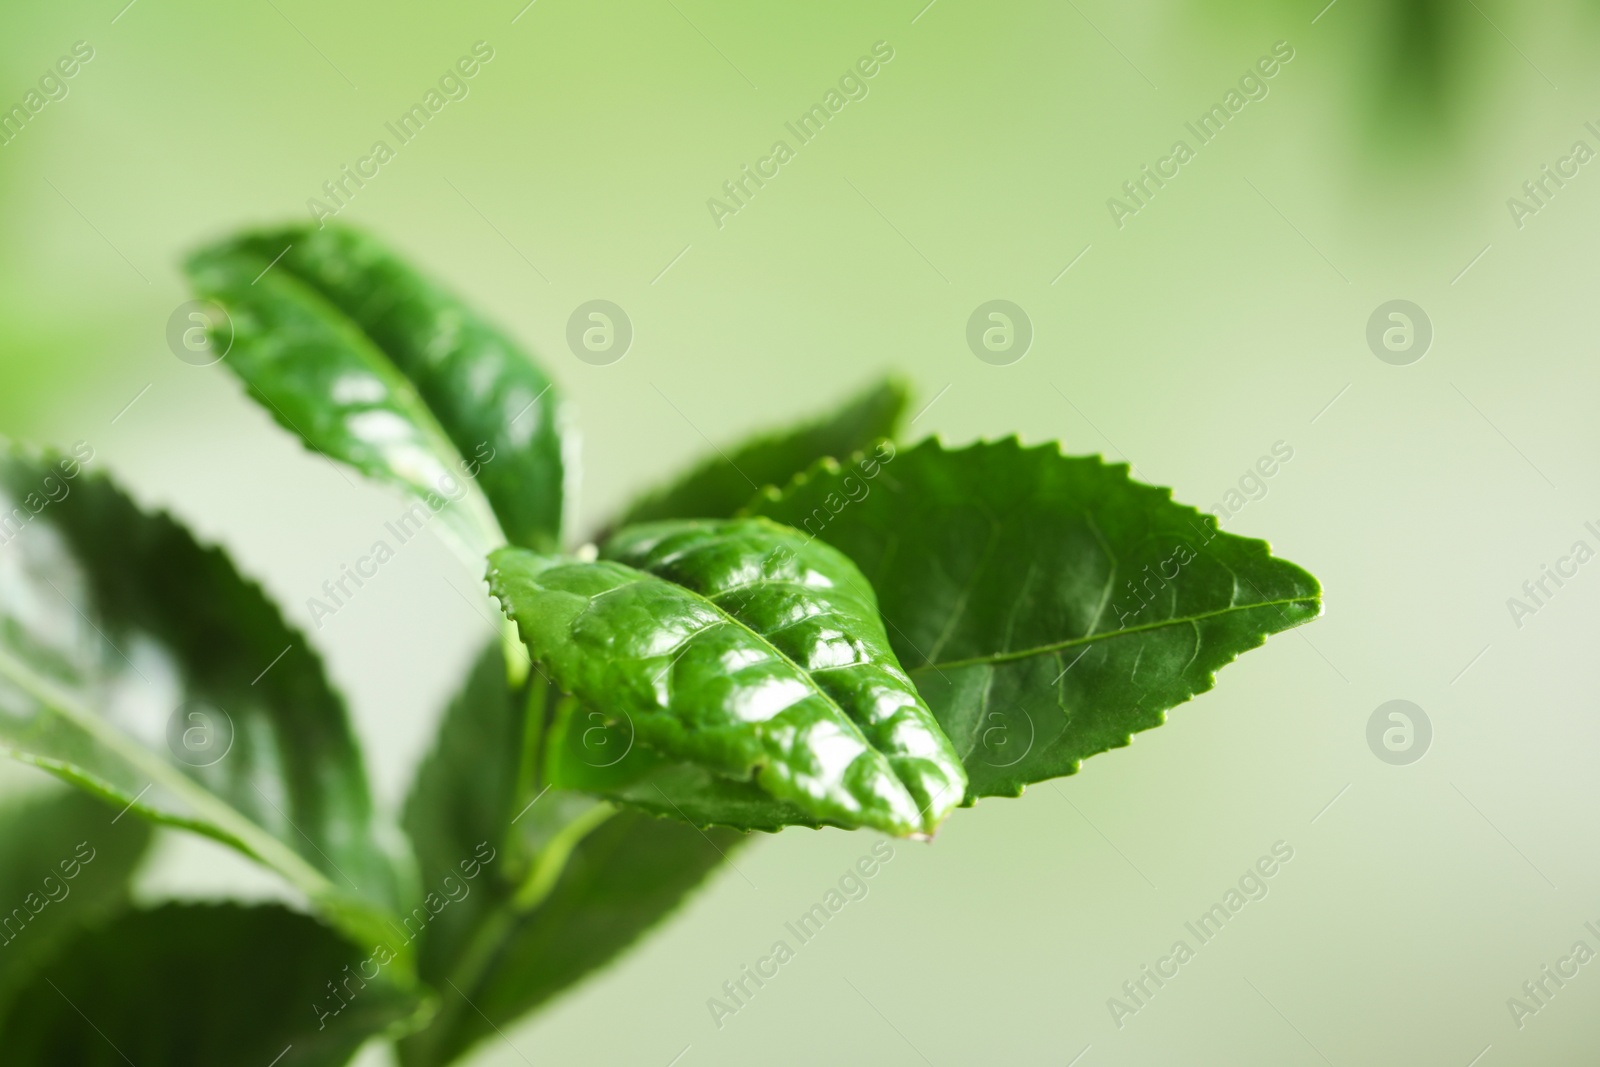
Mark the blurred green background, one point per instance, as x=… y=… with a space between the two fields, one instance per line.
x=1227 y=315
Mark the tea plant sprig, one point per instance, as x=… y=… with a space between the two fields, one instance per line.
x=879 y=636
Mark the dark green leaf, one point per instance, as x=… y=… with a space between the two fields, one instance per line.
x=621 y=879
x=493 y=840
x=749 y=650
x=1048 y=607
x=65 y=860
x=139 y=665
x=477 y=803
x=724 y=483
x=591 y=752
x=464 y=793
x=372 y=364
x=199 y=985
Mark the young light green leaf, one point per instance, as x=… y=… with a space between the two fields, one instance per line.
x=722 y=484
x=65 y=861
x=621 y=879
x=140 y=665
x=745 y=648
x=374 y=365
x=1047 y=606
x=204 y=984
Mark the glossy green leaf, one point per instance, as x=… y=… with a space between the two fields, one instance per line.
x=188 y=985
x=746 y=649
x=374 y=365
x=597 y=753
x=720 y=485
x=621 y=879
x=645 y=779
x=65 y=861
x=513 y=875
x=141 y=666
x=1047 y=606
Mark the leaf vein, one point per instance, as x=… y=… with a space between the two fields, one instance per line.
x=1009 y=657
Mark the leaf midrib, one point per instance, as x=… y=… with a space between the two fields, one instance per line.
x=404 y=392
x=1072 y=642
x=730 y=619
x=249 y=834
x=734 y=620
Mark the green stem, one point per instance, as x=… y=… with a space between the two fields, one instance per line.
x=534 y=713
x=552 y=859
x=499 y=926
x=516 y=655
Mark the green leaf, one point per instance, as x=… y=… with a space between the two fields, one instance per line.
x=374 y=365
x=208 y=984
x=597 y=753
x=65 y=861
x=139 y=665
x=749 y=650
x=510 y=866
x=594 y=752
x=1047 y=606
x=621 y=879
x=722 y=484
x=466 y=788
x=475 y=804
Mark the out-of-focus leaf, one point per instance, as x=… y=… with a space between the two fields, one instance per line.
x=141 y=666
x=372 y=364
x=460 y=808
x=722 y=484
x=477 y=804
x=621 y=879
x=749 y=650
x=65 y=860
x=187 y=986
x=1047 y=606
x=508 y=862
